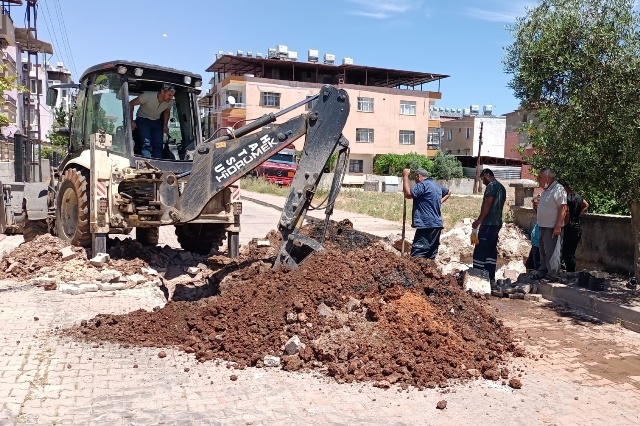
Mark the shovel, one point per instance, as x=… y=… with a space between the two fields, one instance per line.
x=404 y=219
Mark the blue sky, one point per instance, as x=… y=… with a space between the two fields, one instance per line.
x=460 y=38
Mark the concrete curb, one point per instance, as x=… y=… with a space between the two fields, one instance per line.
x=589 y=302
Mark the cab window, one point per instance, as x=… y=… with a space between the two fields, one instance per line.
x=105 y=110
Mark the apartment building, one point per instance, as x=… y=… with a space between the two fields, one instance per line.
x=389 y=108
x=9 y=107
x=461 y=136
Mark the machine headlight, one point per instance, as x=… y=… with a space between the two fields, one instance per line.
x=198 y=83
x=122 y=70
x=138 y=72
x=187 y=79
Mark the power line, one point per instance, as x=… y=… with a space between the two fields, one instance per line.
x=52 y=34
x=63 y=28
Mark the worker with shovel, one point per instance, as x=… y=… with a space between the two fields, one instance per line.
x=427 y=197
x=485 y=255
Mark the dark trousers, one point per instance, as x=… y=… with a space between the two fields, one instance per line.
x=485 y=255
x=569 y=245
x=426 y=243
x=533 y=261
x=150 y=136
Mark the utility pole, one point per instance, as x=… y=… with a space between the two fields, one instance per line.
x=476 y=182
x=32 y=52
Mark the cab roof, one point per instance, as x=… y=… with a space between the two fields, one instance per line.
x=129 y=64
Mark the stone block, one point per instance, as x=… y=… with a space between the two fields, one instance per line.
x=533 y=297
x=517 y=296
x=511 y=274
x=100 y=259
x=271 y=361
x=70 y=289
x=111 y=286
x=353 y=304
x=475 y=281
x=110 y=275
x=263 y=243
x=192 y=270
x=67 y=253
x=184 y=255
x=149 y=271
x=169 y=252
x=136 y=279
x=45 y=282
x=88 y=288
x=293 y=346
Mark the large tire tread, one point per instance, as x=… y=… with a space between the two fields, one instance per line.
x=78 y=179
x=200 y=238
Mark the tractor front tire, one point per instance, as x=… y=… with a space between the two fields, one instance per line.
x=72 y=208
x=200 y=238
x=148 y=236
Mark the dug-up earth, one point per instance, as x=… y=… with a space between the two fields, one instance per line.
x=356 y=311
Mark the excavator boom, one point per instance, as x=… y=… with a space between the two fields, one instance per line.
x=220 y=162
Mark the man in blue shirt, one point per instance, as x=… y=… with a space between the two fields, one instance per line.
x=427 y=197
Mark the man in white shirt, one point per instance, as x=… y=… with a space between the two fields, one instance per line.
x=152 y=119
x=551 y=212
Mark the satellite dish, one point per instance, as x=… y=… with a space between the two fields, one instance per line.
x=231 y=100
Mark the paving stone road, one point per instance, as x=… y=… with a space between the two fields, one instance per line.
x=589 y=374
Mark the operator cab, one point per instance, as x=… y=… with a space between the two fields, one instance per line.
x=102 y=103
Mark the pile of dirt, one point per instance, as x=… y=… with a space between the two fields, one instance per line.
x=360 y=315
x=456 y=251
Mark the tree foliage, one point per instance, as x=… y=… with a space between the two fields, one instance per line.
x=60 y=120
x=393 y=164
x=8 y=82
x=446 y=167
x=576 y=63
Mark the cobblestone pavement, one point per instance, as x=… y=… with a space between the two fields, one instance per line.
x=589 y=373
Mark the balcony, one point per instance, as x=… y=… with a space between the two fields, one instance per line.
x=231 y=106
x=10 y=100
x=7 y=31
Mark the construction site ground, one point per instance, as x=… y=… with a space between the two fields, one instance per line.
x=577 y=369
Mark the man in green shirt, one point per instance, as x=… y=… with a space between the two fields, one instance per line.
x=485 y=255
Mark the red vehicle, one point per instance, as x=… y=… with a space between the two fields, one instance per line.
x=280 y=168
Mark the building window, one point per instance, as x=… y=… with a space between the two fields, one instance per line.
x=468 y=132
x=311 y=104
x=356 y=166
x=35 y=86
x=449 y=135
x=365 y=104
x=434 y=138
x=364 y=135
x=525 y=118
x=407 y=137
x=407 y=108
x=270 y=99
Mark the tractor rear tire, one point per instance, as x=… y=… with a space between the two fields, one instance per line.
x=72 y=208
x=148 y=236
x=34 y=228
x=200 y=238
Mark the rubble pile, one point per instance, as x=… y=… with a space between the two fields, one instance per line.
x=456 y=251
x=356 y=314
x=51 y=263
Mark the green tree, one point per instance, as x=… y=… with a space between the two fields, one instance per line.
x=8 y=82
x=577 y=64
x=60 y=120
x=446 y=167
x=393 y=164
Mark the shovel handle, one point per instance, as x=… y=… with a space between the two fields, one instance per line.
x=404 y=219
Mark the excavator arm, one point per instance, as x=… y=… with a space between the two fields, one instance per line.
x=220 y=162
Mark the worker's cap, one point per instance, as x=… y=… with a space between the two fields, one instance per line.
x=422 y=172
x=168 y=87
